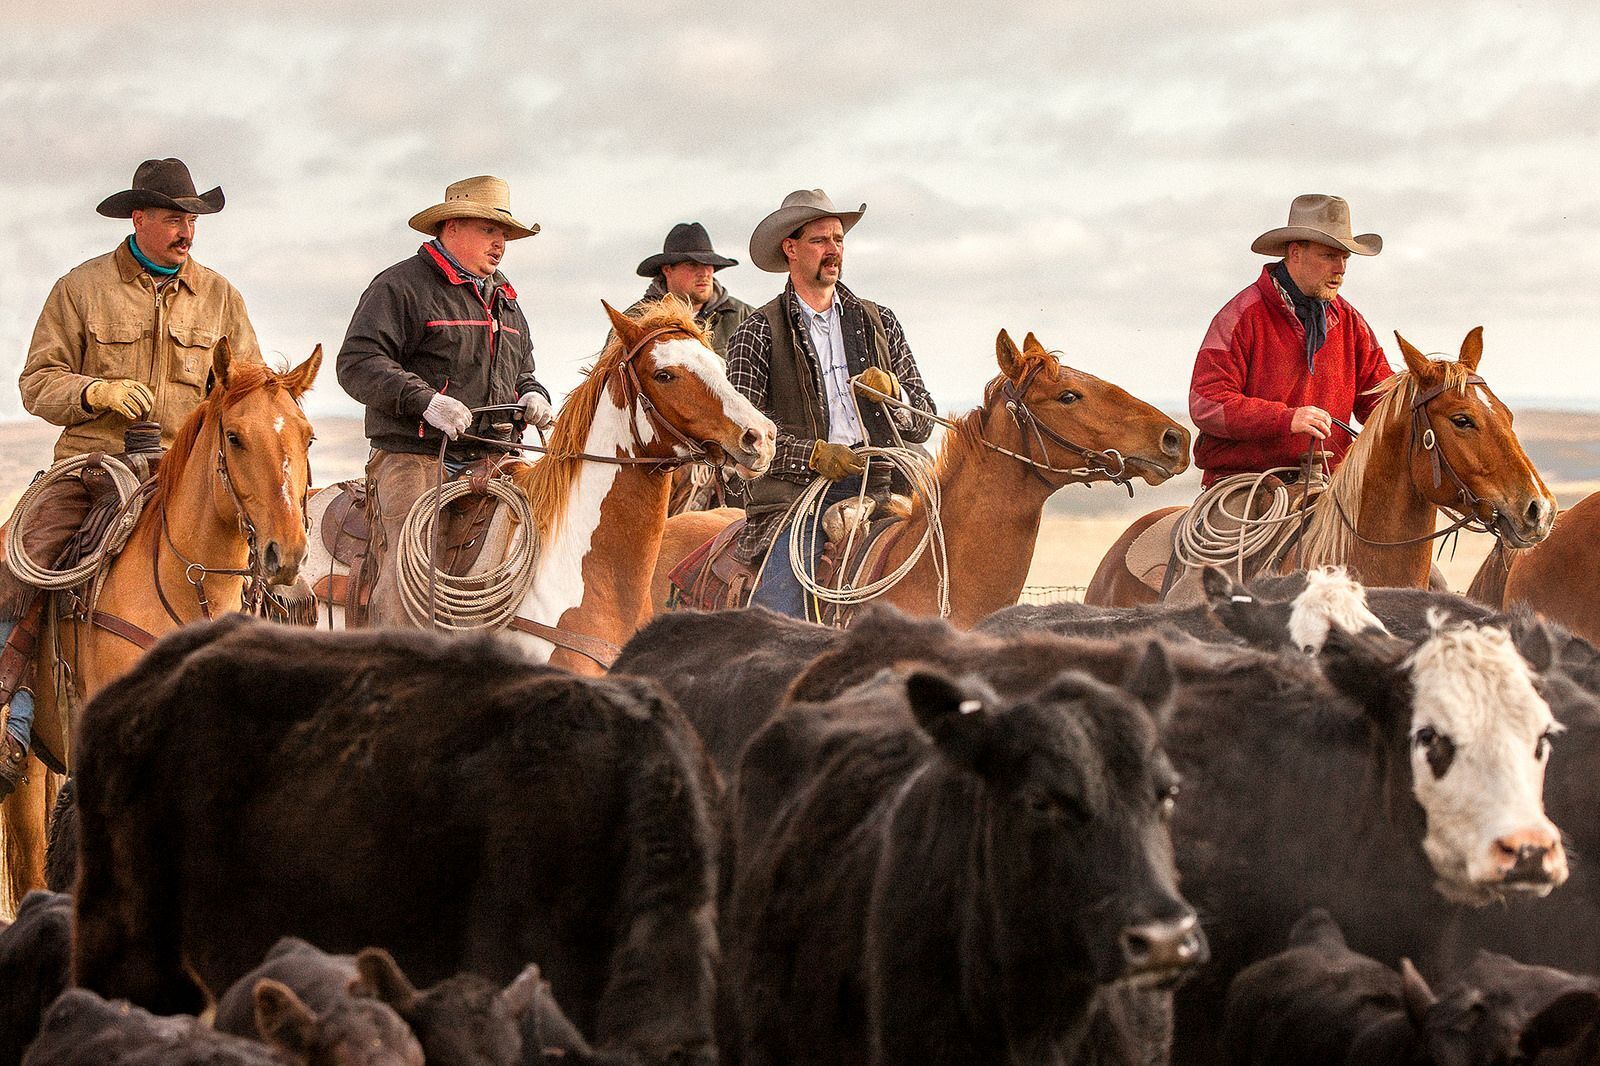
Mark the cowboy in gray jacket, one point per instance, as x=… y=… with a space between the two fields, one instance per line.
x=433 y=337
x=795 y=359
x=684 y=268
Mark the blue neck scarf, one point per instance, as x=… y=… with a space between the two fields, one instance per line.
x=1312 y=313
x=155 y=268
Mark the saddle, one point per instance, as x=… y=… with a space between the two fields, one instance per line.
x=346 y=531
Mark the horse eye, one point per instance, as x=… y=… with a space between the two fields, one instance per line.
x=1463 y=421
x=664 y=376
x=233 y=439
x=1069 y=397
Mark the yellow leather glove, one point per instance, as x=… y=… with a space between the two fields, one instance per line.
x=834 y=461
x=130 y=399
x=877 y=378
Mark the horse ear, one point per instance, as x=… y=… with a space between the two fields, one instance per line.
x=1007 y=355
x=221 y=360
x=1416 y=362
x=627 y=329
x=282 y=1019
x=1416 y=994
x=1472 y=349
x=1030 y=343
x=298 y=381
x=379 y=977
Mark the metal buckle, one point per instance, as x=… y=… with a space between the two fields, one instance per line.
x=1428 y=439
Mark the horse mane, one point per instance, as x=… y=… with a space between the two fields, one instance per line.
x=548 y=482
x=244 y=378
x=967 y=432
x=1329 y=539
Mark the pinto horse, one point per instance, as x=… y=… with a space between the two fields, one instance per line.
x=228 y=503
x=655 y=398
x=1438 y=438
x=995 y=472
x=1559 y=578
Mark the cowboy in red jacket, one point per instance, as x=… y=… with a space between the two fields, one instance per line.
x=1288 y=355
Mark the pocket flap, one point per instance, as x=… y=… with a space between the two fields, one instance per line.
x=117 y=332
x=193 y=336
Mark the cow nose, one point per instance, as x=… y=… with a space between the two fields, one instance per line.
x=1174 y=442
x=1529 y=857
x=1163 y=946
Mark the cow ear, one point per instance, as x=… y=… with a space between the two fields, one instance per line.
x=299 y=380
x=1415 y=994
x=1240 y=613
x=1218 y=584
x=1472 y=349
x=1367 y=668
x=1151 y=681
x=1561 y=1021
x=282 y=1019
x=379 y=977
x=954 y=713
x=1537 y=645
x=1316 y=926
x=628 y=330
x=1007 y=355
x=523 y=991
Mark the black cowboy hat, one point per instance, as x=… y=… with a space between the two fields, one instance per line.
x=687 y=243
x=161 y=183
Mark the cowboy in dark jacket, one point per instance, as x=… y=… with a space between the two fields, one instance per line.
x=433 y=337
x=684 y=268
x=795 y=359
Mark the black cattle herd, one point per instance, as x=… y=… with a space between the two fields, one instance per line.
x=1300 y=823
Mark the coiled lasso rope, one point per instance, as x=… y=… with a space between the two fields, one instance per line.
x=128 y=485
x=476 y=601
x=1201 y=539
x=807 y=511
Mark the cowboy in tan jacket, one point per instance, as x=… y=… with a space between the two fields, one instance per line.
x=126 y=337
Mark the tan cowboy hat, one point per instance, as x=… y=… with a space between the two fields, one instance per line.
x=1324 y=219
x=481 y=197
x=799 y=207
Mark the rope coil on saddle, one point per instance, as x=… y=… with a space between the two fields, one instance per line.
x=130 y=491
x=1215 y=535
x=476 y=601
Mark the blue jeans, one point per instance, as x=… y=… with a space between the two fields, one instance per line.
x=21 y=722
x=780 y=590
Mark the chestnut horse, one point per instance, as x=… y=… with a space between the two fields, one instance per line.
x=991 y=502
x=657 y=392
x=1438 y=438
x=237 y=470
x=1559 y=578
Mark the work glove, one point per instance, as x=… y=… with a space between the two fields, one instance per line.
x=835 y=461
x=536 y=410
x=130 y=399
x=877 y=378
x=448 y=415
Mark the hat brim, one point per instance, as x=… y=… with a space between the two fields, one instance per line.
x=650 y=266
x=433 y=219
x=125 y=203
x=766 y=243
x=1276 y=241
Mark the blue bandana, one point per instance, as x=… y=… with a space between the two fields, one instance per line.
x=155 y=268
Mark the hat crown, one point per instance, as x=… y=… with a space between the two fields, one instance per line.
x=814 y=199
x=1319 y=211
x=169 y=177
x=485 y=189
x=687 y=237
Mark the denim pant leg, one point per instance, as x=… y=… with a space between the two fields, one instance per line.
x=20 y=725
x=780 y=590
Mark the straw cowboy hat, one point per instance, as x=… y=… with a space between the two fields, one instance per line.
x=481 y=197
x=799 y=207
x=688 y=242
x=161 y=183
x=1324 y=219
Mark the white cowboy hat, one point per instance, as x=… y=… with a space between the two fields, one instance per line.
x=799 y=207
x=1319 y=218
x=481 y=197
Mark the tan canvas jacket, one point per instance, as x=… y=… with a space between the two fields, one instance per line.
x=109 y=319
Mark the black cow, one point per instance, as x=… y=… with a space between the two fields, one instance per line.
x=929 y=871
x=442 y=797
x=81 y=1029
x=35 y=958
x=1320 y=1004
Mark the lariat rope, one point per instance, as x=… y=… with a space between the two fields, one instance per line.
x=1212 y=534
x=128 y=485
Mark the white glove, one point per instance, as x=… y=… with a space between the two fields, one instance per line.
x=448 y=415
x=536 y=410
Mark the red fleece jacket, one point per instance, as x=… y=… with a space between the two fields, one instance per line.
x=1251 y=374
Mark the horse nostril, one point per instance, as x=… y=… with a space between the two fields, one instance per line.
x=1172 y=443
x=750 y=441
x=270 y=559
x=1536 y=513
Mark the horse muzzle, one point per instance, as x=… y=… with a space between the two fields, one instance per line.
x=280 y=565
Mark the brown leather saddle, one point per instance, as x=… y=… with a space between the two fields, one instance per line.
x=346 y=531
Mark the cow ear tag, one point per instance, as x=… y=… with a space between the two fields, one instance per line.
x=970 y=706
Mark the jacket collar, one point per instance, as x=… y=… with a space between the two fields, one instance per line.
x=1274 y=296
x=129 y=268
x=717 y=304
x=841 y=295
x=455 y=277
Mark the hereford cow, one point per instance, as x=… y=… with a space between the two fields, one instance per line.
x=931 y=870
x=35 y=956
x=442 y=797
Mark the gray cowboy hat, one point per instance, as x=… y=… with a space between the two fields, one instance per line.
x=799 y=207
x=687 y=242
x=161 y=183
x=1320 y=218
x=485 y=197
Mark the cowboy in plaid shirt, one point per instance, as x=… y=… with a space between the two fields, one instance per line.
x=794 y=359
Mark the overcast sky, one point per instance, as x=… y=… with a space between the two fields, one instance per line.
x=1093 y=172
